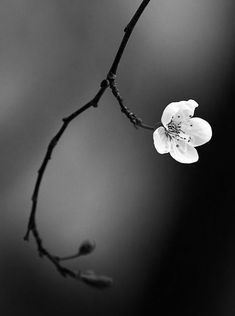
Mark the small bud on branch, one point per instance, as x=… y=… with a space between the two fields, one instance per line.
x=86 y=248
x=98 y=281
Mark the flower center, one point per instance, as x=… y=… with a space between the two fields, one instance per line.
x=174 y=130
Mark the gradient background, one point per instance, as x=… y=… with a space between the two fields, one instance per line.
x=164 y=230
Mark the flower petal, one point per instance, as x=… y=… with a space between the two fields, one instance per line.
x=161 y=141
x=169 y=112
x=198 y=130
x=183 y=152
x=178 y=111
x=192 y=105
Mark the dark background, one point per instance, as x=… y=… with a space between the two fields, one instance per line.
x=164 y=230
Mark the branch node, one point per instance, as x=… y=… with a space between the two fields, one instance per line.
x=111 y=77
x=127 y=28
x=65 y=120
x=26 y=237
x=104 y=83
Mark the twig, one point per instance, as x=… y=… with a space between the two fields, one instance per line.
x=136 y=121
x=88 y=277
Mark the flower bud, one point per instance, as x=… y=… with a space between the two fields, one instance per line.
x=98 y=281
x=86 y=247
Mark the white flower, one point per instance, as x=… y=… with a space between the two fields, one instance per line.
x=181 y=132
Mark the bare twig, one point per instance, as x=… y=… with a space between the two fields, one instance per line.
x=85 y=248
x=128 y=30
x=136 y=121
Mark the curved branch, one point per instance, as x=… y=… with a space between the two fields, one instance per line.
x=87 y=277
x=50 y=148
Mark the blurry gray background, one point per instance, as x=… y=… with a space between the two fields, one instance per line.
x=164 y=231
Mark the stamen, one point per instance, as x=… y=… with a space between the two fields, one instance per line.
x=174 y=130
